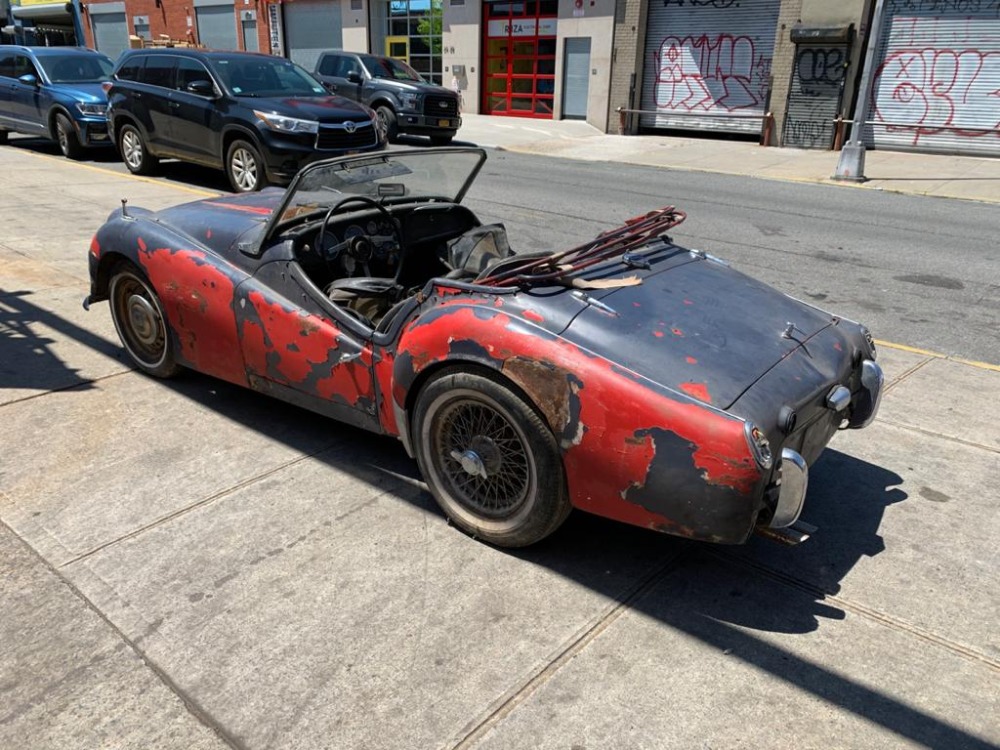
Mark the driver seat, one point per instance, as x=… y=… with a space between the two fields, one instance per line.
x=367 y=296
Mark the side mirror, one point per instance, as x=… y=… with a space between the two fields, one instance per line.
x=201 y=88
x=354 y=77
x=29 y=79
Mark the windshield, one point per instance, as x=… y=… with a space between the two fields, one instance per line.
x=76 y=68
x=388 y=177
x=388 y=67
x=265 y=76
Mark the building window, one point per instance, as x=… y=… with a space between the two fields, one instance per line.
x=409 y=30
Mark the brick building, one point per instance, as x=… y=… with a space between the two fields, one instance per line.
x=715 y=66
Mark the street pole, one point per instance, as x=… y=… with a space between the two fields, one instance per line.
x=851 y=166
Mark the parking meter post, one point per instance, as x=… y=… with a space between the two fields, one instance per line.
x=851 y=166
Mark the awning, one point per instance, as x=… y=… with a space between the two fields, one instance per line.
x=52 y=11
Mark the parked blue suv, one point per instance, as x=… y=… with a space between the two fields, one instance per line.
x=55 y=92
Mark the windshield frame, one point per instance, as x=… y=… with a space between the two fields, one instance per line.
x=275 y=225
x=48 y=61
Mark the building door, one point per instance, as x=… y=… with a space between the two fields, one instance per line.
x=937 y=77
x=110 y=31
x=312 y=26
x=708 y=65
x=576 y=78
x=817 y=86
x=248 y=28
x=519 y=43
x=216 y=24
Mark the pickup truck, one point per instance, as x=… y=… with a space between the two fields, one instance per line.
x=403 y=101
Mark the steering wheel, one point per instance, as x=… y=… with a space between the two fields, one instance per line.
x=396 y=232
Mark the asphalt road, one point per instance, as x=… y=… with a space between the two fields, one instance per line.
x=919 y=271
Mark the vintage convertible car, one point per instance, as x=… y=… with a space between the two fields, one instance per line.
x=627 y=377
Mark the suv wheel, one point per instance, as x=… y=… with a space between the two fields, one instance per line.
x=387 y=119
x=245 y=167
x=133 y=151
x=69 y=142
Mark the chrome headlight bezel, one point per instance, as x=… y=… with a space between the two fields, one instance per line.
x=285 y=124
x=92 y=109
x=410 y=101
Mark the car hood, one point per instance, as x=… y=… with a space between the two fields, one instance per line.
x=416 y=88
x=696 y=326
x=219 y=223
x=322 y=108
x=91 y=93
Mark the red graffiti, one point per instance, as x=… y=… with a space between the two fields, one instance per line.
x=921 y=93
x=703 y=74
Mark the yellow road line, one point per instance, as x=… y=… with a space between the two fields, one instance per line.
x=937 y=355
x=129 y=175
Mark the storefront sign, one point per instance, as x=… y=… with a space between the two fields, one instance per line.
x=523 y=27
x=274 y=17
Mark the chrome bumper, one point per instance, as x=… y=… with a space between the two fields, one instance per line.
x=792 y=496
x=866 y=403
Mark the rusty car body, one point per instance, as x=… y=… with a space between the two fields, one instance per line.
x=627 y=377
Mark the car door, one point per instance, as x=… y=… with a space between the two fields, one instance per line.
x=6 y=89
x=196 y=126
x=28 y=102
x=333 y=72
x=151 y=101
x=299 y=347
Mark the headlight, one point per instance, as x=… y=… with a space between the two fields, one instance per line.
x=759 y=445
x=92 y=110
x=287 y=124
x=410 y=101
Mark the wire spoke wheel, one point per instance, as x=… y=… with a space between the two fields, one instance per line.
x=489 y=459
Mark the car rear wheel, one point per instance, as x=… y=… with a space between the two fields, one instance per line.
x=387 y=120
x=245 y=167
x=137 y=158
x=69 y=142
x=140 y=322
x=489 y=459
x=441 y=140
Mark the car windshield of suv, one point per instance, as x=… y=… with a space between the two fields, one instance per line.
x=388 y=67
x=261 y=76
x=76 y=68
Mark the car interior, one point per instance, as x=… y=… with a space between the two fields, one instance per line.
x=369 y=258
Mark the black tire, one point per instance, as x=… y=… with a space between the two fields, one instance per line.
x=441 y=140
x=489 y=459
x=134 y=151
x=140 y=322
x=66 y=137
x=388 y=120
x=245 y=167
x=3 y=137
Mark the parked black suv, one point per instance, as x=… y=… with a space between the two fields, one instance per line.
x=260 y=118
x=403 y=101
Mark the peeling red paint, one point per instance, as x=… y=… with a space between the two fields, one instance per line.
x=688 y=302
x=691 y=360
x=142 y=244
x=262 y=210
x=198 y=301
x=658 y=334
x=837 y=346
x=95 y=247
x=208 y=234
x=698 y=390
x=677 y=331
x=532 y=315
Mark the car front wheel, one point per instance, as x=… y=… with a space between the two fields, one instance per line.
x=387 y=120
x=134 y=153
x=245 y=167
x=140 y=322
x=69 y=142
x=489 y=459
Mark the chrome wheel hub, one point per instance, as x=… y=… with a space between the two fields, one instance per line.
x=143 y=319
x=131 y=149
x=244 y=169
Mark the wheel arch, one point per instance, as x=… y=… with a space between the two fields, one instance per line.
x=55 y=110
x=105 y=269
x=234 y=133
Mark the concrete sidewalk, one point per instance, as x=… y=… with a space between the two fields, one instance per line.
x=189 y=565
x=971 y=178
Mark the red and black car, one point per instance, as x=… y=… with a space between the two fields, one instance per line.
x=628 y=377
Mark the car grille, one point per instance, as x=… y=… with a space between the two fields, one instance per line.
x=337 y=138
x=440 y=106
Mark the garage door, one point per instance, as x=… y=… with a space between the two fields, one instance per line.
x=708 y=64
x=937 y=79
x=312 y=26
x=110 y=33
x=216 y=26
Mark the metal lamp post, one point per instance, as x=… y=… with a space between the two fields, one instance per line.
x=851 y=166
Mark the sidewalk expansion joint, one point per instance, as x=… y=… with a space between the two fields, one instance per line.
x=869 y=613
x=941 y=435
x=510 y=701
x=198 y=504
x=68 y=387
x=907 y=373
x=193 y=707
